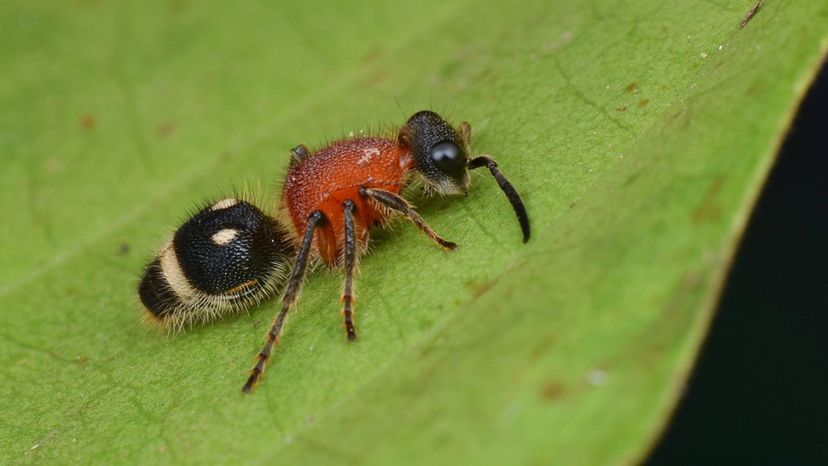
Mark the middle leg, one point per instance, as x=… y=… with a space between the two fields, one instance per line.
x=350 y=265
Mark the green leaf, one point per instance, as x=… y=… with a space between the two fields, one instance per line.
x=639 y=134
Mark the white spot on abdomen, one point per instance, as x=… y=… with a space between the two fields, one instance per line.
x=224 y=203
x=225 y=236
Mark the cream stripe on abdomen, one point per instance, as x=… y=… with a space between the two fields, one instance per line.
x=174 y=275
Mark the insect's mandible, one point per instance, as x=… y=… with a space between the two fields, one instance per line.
x=231 y=254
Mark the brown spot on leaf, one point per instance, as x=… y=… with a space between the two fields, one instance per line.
x=622 y=108
x=755 y=89
x=88 y=122
x=709 y=210
x=643 y=103
x=552 y=391
x=631 y=87
x=177 y=6
x=123 y=249
x=377 y=77
x=165 y=130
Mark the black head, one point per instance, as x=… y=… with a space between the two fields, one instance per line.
x=439 y=151
x=441 y=156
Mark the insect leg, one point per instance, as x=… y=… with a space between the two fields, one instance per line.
x=350 y=265
x=297 y=154
x=288 y=299
x=400 y=205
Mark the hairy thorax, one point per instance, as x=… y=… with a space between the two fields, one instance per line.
x=329 y=177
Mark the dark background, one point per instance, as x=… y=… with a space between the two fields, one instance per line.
x=759 y=392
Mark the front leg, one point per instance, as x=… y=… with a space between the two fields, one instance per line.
x=401 y=206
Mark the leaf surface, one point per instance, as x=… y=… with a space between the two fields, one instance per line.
x=638 y=133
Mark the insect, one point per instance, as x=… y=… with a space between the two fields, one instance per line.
x=231 y=255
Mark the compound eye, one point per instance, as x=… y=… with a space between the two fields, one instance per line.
x=449 y=158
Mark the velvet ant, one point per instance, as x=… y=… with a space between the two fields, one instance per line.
x=231 y=255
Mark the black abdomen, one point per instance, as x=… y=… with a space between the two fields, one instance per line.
x=226 y=257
